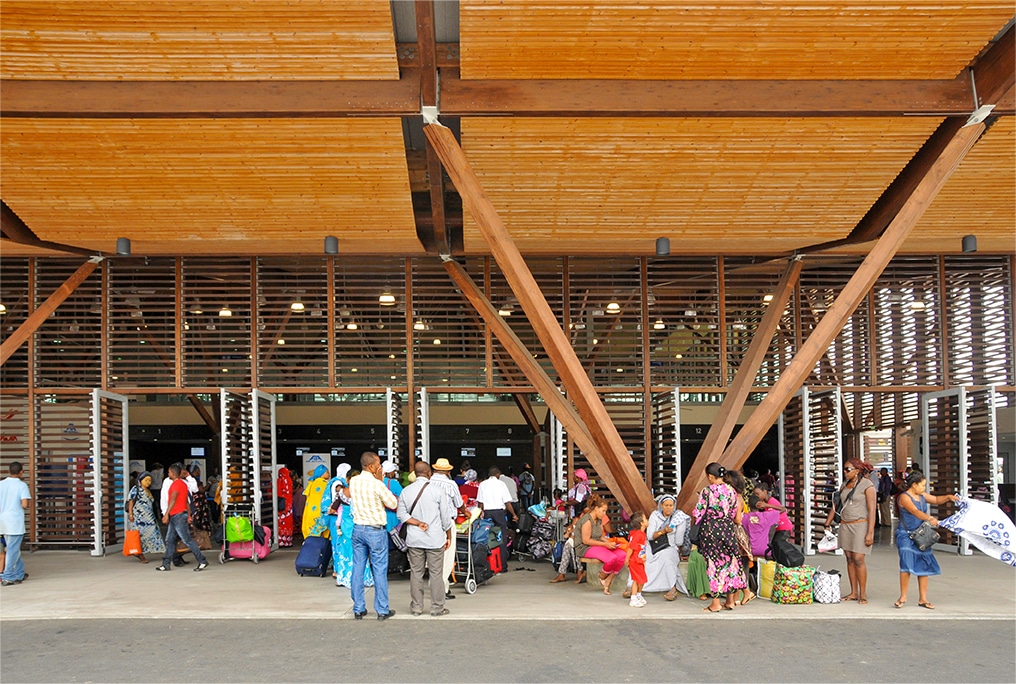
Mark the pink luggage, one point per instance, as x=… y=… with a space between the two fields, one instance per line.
x=246 y=550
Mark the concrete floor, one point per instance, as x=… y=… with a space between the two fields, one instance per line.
x=73 y=584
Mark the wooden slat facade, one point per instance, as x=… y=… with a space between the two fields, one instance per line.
x=203 y=40
x=837 y=39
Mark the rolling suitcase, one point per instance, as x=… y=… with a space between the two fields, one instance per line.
x=314 y=556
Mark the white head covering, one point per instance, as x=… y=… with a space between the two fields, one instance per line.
x=342 y=470
x=389 y=467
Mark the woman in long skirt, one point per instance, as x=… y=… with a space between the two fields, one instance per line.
x=719 y=508
x=141 y=514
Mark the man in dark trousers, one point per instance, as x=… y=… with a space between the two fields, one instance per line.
x=429 y=514
x=177 y=517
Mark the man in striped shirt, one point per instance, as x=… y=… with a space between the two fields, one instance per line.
x=370 y=538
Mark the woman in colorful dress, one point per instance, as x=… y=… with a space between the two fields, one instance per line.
x=285 y=488
x=718 y=510
x=342 y=536
x=914 y=510
x=314 y=491
x=141 y=514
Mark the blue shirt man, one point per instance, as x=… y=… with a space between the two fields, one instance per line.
x=14 y=498
x=428 y=511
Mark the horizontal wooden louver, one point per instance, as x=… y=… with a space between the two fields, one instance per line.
x=683 y=322
x=14 y=435
x=15 y=297
x=67 y=344
x=217 y=322
x=292 y=327
x=746 y=291
x=979 y=320
x=847 y=360
x=907 y=315
x=370 y=337
x=549 y=275
x=141 y=315
x=64 y=491
x=449 y=346
x=608 y=341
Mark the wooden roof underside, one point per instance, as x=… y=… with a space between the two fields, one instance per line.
x=235 y=127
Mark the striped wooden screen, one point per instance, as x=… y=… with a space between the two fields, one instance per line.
x=666 y=455
x=979 y=320
x=907 y=313
x=792 y=475
x=141 y=322
x=608 y=341
x=549 y=275
x=16 y=298
x=982 y=445
x=216 y=295
x=683 y=323
x=14 y=443
x=824 y=460
x=449 y=347
x=238 y=473
x=944 y=455
x=110 y=458
x=747 y=293
x=64 y=493
x=262 y=407
x=67 y=343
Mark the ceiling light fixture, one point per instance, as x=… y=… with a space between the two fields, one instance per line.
x=506 y=310
x=767 y=298
x=437 y=340
x=123 y=246
x=969 y=243
x=331 y=245
x=386 y=299
x=659 y=324
x=662 y=246
x=419 y=325
x=3 y=309
x=281 y=342
x=917 y=305
x=225 y=312
x=613 y=308
x=297 y=306
x=351 y=325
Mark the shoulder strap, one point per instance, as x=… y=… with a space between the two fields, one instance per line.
x=417 y=499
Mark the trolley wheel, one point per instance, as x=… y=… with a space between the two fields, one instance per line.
x=222 y=558
x=254 y=557
x=470 y=586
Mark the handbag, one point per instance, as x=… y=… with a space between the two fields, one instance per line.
x=132 y=543
x=826 y=586
x=743 y=541
x=657 y=544
x=398 y=535
x=839 y=504
x=924 y=537
x=829 y=542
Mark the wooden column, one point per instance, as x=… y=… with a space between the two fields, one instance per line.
x=630 y=488
x=737 y=393
x=851 y=295
x=39 y=316
x=557 y=403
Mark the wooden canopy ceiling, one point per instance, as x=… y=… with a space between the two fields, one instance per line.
x=241 y=127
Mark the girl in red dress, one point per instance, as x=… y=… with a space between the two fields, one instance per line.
x=636 y=559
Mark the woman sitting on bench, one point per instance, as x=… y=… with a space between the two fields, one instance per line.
x=591 y=542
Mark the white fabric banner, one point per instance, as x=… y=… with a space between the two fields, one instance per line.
x=985 y=526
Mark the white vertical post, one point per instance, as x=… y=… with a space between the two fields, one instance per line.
x=809 y=470
x=423 y=422
x=97 y=541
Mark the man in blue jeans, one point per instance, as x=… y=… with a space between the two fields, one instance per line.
x=14 y=498
x=177 y=516
x=370 y=538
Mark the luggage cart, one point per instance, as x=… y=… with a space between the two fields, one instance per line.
x=245 y=510
x=466 y=528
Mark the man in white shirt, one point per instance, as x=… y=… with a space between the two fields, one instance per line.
x=442 y=478
x=513 y=489
x=494 y=498
x=158 y=476
x=370 y=538
x=14 y=498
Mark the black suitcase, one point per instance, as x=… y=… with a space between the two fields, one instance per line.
x=526 y=521
x=314 y=556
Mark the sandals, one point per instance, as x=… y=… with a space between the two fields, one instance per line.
x=670 y=595
x=559 y=578
x=926 y=604
x=626 y=594
x=708 y=609
x=862 y=601
x=749 y=599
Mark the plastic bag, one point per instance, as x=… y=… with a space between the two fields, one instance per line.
x=239 y=528
x=829 y=542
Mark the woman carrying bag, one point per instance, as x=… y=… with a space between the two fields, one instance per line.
x=856 y=510
x=913 y=561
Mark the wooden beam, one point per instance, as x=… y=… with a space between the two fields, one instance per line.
x=16 y=231
x=726 y=418
x=210 y=99
x=994 y=72
x=593 y=97
x=631 y=488
x=203 y=412
x=853 y=292
x=526 y=409
x=39 y=316
x=561 y=407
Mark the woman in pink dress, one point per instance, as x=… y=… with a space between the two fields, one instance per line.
x=285 y=489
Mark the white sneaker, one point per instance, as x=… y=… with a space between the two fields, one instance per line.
x=634 y=603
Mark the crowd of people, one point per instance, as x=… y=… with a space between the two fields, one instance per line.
x=360 y=511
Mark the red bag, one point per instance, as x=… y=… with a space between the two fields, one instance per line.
x=132 y=543
x=495 y=561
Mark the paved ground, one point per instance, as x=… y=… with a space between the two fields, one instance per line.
x=80 y=618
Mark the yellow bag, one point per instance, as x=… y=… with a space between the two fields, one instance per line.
x=766 y=574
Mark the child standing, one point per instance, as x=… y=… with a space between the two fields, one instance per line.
x=636 y=558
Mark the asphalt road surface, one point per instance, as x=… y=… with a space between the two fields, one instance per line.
x=431 y=650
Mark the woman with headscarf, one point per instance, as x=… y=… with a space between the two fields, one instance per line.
x=469 y=488
x=285 y=489
x=391 y=482
x=342 y=532
x=141 y=514
x=662 y=565
x=579 y=492
x=314 y=491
